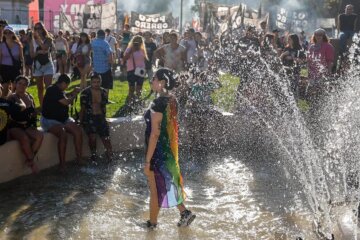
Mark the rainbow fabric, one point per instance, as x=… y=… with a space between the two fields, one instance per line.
x=169 y=182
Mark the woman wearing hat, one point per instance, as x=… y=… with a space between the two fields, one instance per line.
x=11 y=59
x=161 y=162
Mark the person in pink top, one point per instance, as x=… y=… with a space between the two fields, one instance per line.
x=321 y=56
x=135 y=57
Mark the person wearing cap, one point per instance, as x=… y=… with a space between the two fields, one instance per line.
x=320 y=59
x=162 y=160
x=135 y=56
x=93 y=116
x=22 y=126
x=103 y=60
x=347 y=26
x=55 y=117
x=11 y=59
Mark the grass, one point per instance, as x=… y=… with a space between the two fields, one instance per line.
x=223 y=97
x=118 y=95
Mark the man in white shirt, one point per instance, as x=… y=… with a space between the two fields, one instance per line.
x=113 y=45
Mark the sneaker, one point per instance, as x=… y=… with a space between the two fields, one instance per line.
x=186 y=218
x=149 y=225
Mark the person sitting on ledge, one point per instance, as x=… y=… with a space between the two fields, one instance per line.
x=93 y=115
x=347 y=26
x=22 y=126
x=55 y=117
x=7 y=110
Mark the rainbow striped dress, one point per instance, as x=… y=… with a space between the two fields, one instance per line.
x=165 y=161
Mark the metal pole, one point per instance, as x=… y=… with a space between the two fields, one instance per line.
x=181 y=15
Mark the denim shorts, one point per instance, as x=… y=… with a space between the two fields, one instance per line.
x=46 y=124
x=43 y=70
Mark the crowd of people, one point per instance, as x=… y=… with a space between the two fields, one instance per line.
x=189 y=64
x=38 y=54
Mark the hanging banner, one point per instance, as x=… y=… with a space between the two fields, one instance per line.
x=155 y=22
x=294 y=21
x=79 y=15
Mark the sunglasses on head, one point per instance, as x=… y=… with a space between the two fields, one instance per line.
x=38 y=28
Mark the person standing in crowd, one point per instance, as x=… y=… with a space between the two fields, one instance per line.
x=3 y=24
x=93 y=116
x=62 y=52
x=150 y=49
x=165 y=38
x=73 y=46
x=26 y=40
x=173 y=55
x=126 y=35
x=263 y=30
x=40 y=51
x=135 y=57
x=83 y=58
x=102 y=61
x=113 y=45
x=190 y=45
x=303 y=41
x=347 y=26
x=11 y=59
x=22 y=126
x=92 y=36
x=279 y=45
x=55 y=117
x=162 y=160
x=292 y=58
x=320 y=60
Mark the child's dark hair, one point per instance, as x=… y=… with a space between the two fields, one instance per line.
x=169 y=76
x=63 y=78
x=22 y=77
x=95 y=76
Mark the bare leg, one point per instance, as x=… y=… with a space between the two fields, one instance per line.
x=92 y=144
x=40 y=88
x=108 y=147
x=5 y=89
x=60 y=132
x=131 y=95
x=154 y=204
x=48 y=80
x=36 y=137
x=138 y=91
x=24 y=141
x=75 y=130
x=181 y=207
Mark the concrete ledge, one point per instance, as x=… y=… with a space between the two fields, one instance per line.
x=126 y=134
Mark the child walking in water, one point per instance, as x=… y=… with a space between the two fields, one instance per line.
x=161 y=163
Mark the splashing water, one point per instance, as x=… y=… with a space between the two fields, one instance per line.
x=318 y=148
